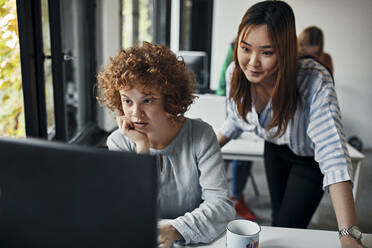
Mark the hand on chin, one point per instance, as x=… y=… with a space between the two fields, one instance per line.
x=128 y=129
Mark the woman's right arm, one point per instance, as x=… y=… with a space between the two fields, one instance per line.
x=229 y=129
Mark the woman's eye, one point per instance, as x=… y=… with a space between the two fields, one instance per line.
x=245 y=49
x=148 y=101
x=127 y=102
x=268 y=53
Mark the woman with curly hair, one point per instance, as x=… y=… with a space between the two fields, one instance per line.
x=152 y=89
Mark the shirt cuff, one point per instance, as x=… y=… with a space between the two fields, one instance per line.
x=337 y=176
x=180 y=226
x=227 y=131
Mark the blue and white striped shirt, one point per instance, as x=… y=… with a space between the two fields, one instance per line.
x=316 y=129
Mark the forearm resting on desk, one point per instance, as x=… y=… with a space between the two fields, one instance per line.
x=222 y=140
x=343 y=205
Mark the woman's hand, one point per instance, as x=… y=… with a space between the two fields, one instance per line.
x=167 y=234
x=349 y=242
x=126 y=128
x=222 y=140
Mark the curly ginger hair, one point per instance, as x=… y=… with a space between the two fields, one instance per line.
x=150 y=67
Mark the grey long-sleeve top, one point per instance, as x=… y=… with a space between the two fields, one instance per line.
x=192 y=183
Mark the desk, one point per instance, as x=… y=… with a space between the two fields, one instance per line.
x=211 y=109
x=279 y=237
x=247 y=148
x=253 y=149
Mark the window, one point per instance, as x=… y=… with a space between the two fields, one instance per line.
x=196 y=33
x=57 y=41
x=196 y=25
x=185 y=27
x=136 y=16
x=11 y=94
x=49 y=96
x=145 y=20
x=58 y=68
x=78 y=64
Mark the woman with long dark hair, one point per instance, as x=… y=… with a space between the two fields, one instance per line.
x=292 y=104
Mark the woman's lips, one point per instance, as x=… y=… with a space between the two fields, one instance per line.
x=140 y=125
x=255 y=72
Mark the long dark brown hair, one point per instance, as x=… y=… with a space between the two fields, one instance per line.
x=279 y=19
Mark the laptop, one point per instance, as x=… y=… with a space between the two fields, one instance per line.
x=61 y=195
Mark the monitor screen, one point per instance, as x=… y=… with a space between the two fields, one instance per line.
x=60 y=195
x=197 y=61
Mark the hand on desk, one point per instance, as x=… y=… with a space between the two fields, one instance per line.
x=167 y=234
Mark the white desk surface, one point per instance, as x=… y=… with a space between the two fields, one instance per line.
x=251 y=149
x=279 y=237
x=254 y=147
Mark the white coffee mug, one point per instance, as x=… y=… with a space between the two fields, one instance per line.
x=242 y=234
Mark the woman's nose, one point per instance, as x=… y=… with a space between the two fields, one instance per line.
x=254 y=60
x=137 y=111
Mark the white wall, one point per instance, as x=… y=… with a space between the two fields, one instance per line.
x=347 y=27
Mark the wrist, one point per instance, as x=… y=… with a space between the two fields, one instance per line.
x=348 y=241
x=176 y=235
x=350 y=232
x=142 y=147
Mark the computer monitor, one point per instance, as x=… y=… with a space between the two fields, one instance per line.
x=197 y=61
x=60 y=195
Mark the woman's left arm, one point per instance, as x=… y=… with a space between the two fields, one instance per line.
x=343 y=204
x=330 y=149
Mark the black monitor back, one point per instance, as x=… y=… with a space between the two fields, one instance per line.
x=59 y=195
x=197 y=62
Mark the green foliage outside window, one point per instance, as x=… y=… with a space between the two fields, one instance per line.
x=11 y=94
x=145 y=20
x=137 y=22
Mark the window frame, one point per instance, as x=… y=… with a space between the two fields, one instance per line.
x=199 y=37
x=31 y=57
x=162 y=21
x=32 y=67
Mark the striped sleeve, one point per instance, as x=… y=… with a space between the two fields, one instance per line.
x=230 y=128
x=325 y=129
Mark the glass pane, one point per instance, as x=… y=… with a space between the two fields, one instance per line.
x=186 y=20
x=145 y=19
x=11 y=96
x=47 y=69
x=137 y=19
x=127 y=25
x=75 y=45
